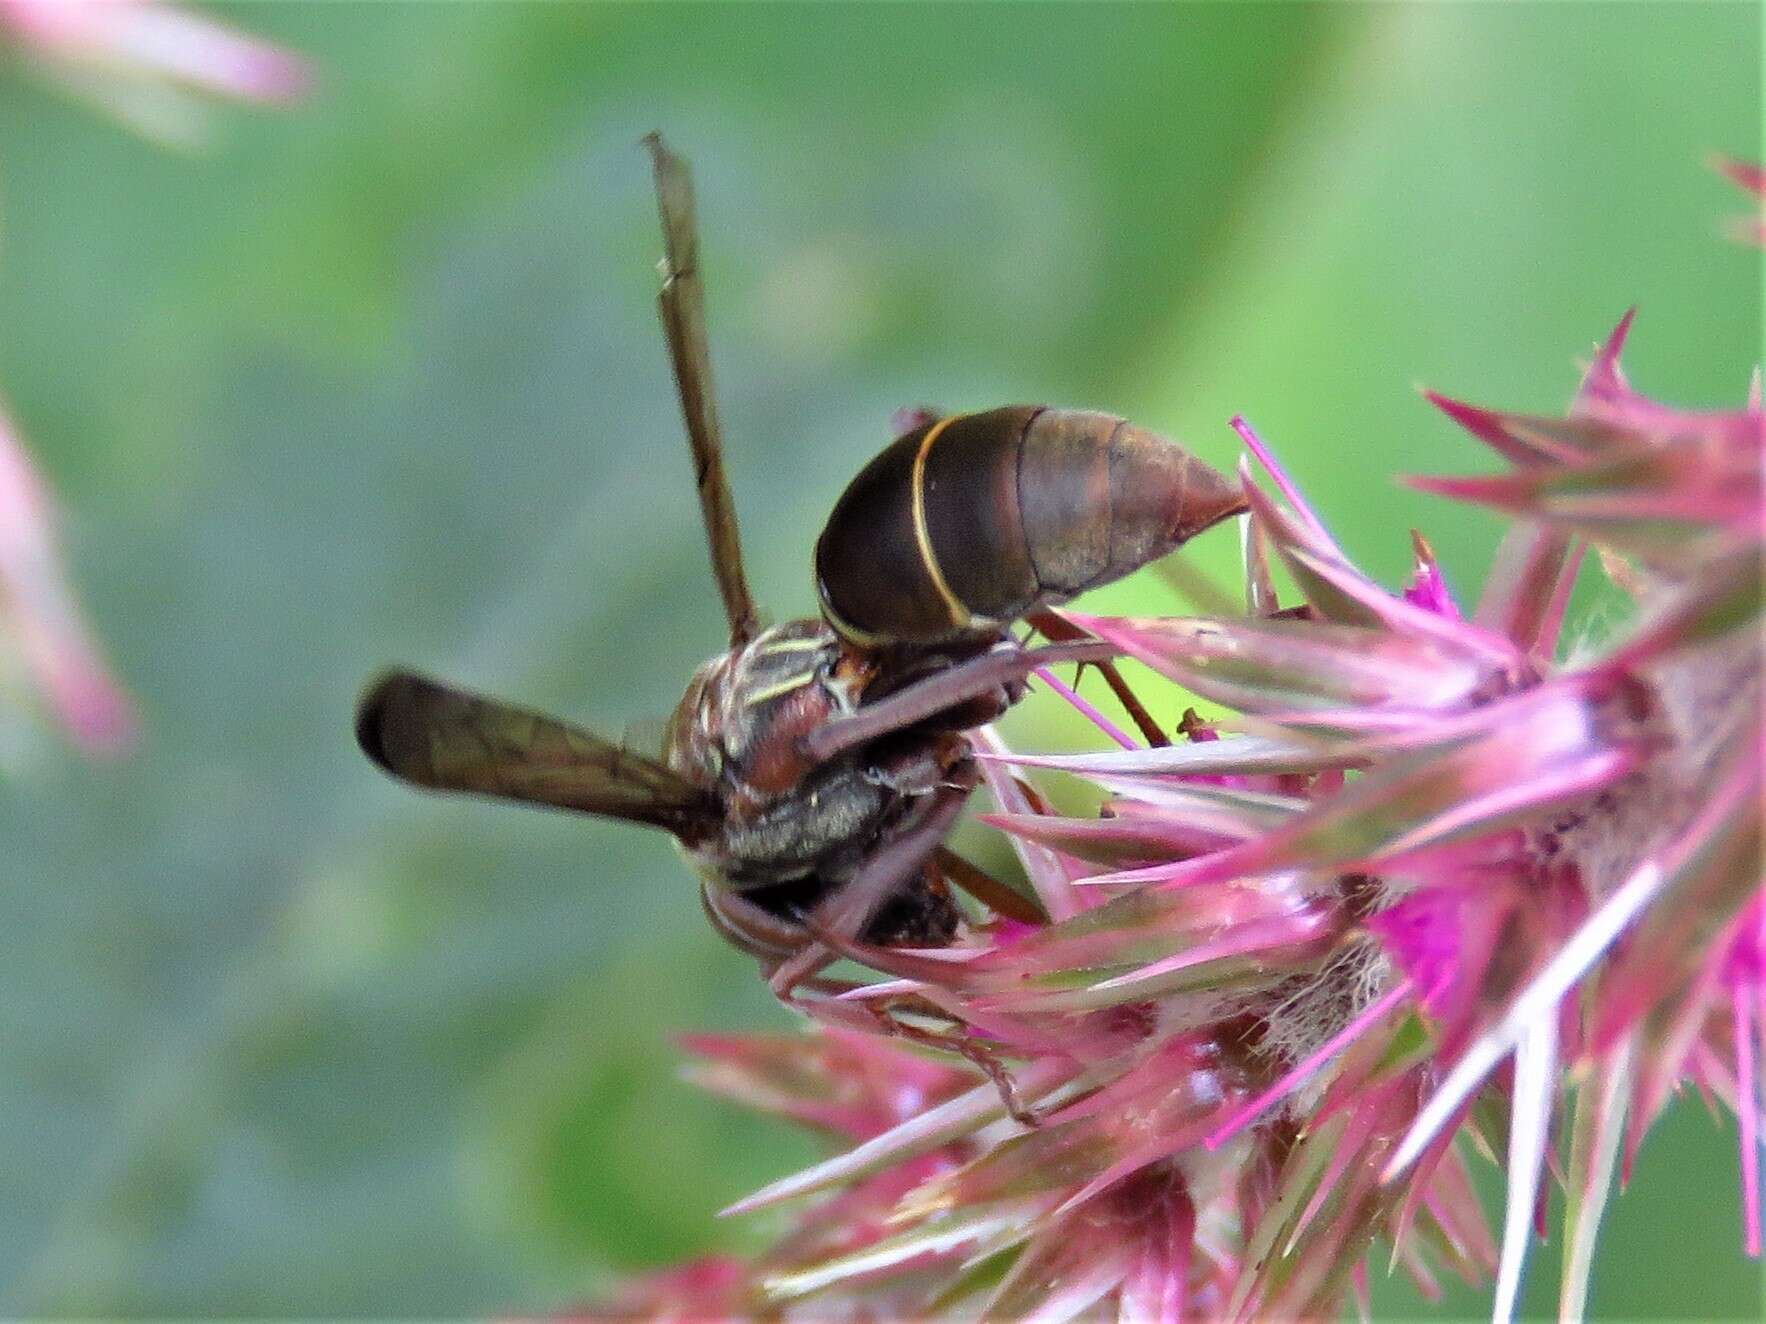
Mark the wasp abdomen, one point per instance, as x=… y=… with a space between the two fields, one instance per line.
x=967 y=523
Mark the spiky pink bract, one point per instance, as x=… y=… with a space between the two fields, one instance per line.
x=1444 y=881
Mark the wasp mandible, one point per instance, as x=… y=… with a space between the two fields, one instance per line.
x=812 y=770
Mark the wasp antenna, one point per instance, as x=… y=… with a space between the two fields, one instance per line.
x=682 y=304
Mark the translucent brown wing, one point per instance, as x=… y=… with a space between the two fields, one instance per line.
x=445 y=739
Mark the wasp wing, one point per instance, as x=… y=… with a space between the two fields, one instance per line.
x=446 y=739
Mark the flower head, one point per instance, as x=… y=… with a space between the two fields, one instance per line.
x=1442 y=883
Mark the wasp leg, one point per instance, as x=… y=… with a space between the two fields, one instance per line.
x=748 y=926
x=1061 y=630
x=799 y=968
x=1002 y=665
x=917 y=766
x=844 y=914
x=978 y=1054
x=1001 y=898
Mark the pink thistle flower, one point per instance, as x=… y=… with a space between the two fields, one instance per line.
x=38 y=615
x=1439 y=868
x=141 y=60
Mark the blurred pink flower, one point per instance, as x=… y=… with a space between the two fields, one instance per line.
x=1442 y=867
x=1748 y=229
x=141 y=59
x=38 y=615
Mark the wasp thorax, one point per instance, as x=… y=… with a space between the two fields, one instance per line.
x=739 y=723
x=967 y=523
x=795 y=827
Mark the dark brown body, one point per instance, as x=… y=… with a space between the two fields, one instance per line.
x=969 y=522
x=802 y=755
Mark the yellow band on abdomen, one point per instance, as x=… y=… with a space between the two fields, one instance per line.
x=959 y=614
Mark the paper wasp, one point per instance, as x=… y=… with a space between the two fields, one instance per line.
x=812 y=770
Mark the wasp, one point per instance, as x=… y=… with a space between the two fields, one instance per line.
x=812 y=770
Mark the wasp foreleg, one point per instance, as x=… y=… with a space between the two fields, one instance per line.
x=845 y=912
x=1005 y=664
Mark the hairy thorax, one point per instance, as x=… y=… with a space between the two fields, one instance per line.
x=738 y=730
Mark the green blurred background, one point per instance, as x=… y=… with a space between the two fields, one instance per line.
x=381 y=380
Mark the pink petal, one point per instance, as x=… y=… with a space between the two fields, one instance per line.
x=1508 y=761
x=1301 y=506
x=1529 y=440
x=934 y=1127
x=1745 y=173
x=1260 y=597
x=854 y=1084
x=870 y=1257
x=53 y=637
x=1259 y=665
x=1551 y=623
x=1401 y=616
x=1085 y=708
x=1428 y=587
x=145 y=37
x=1045 y=871
x=1523 y=583
x=1652 y=503
x=1115 y=842
x=1604 y=377
x=1535 y=1092
x=1748 y=1111
x=1292 y=938
x=1721 y=598
x=1598 y=1126
x=1245 y=755
x=1705 y=879
x=1535 y=1004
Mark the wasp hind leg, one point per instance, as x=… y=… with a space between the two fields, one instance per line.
x=1058 y=629
x=961 y=1041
